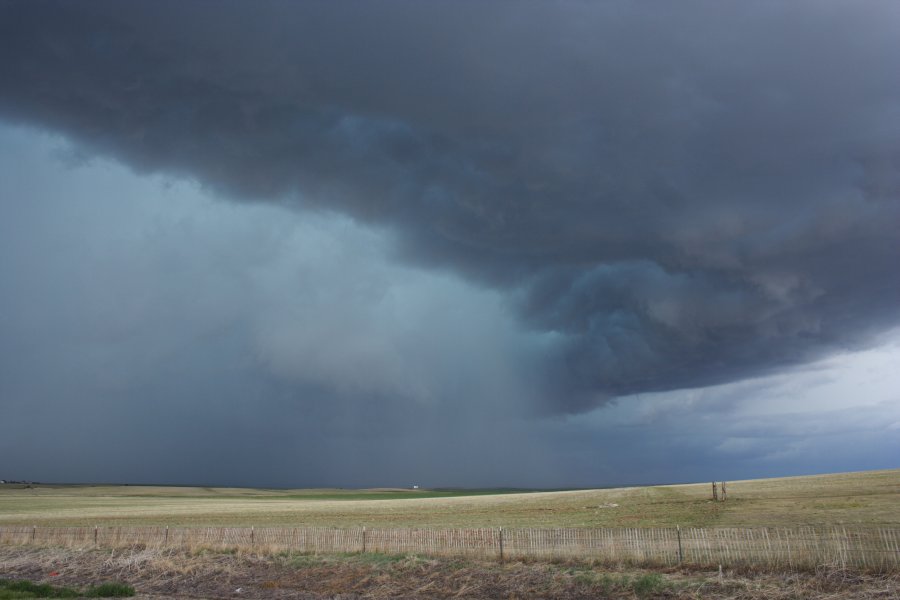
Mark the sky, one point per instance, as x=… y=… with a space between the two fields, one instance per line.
x=479 y=244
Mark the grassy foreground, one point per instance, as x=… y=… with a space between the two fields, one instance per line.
x=867 y=498
x=169 y=573
x=23 y=588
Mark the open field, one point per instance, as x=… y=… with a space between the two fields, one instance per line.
x=172 y=573
x=854 y=499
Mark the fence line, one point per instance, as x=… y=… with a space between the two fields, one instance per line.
x=874 y=549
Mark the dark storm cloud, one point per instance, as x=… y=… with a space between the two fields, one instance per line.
x=686 y=193
x=245 y=344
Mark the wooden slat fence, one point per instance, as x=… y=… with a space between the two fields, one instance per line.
x=874 y=549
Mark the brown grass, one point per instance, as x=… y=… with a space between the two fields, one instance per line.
x=159 y=573
x=868 y=499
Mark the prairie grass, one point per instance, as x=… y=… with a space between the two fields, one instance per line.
x=869 y=499
x=180 y=573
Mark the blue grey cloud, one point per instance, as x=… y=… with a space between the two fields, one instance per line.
x=623 y=199
x=233 y=343
x=691 y=194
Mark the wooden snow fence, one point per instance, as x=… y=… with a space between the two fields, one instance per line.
x=802 y=548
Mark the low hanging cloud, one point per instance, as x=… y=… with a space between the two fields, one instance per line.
x=214 y=342
x=682 y=195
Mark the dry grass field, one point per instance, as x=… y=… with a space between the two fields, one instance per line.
x=165 y=574
x=867 y=498
x=177 y=571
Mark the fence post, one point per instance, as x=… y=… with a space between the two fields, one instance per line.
x=680 y=551
x=166 y=539
x=33 y=532
x=501 y=544
x=364 y=539
x=723 y=491
x=95 y=535
x=715 y=491
x=251 y=535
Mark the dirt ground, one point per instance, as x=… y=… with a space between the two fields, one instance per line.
x=161 y=574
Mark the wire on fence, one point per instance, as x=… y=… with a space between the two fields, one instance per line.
x=876 y=549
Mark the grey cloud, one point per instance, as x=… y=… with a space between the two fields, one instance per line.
x=686 y=194
x=151 y=334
